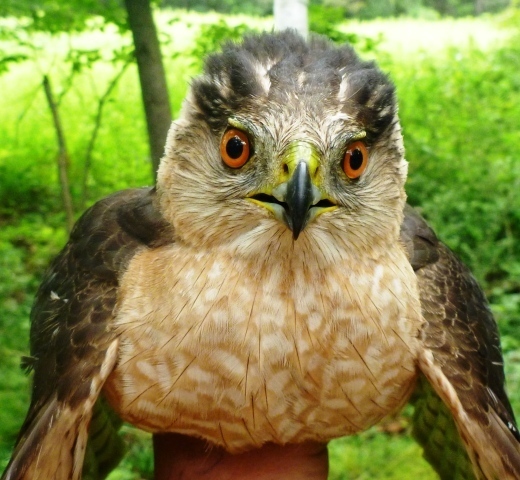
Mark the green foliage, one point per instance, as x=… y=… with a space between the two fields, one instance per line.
x=463 y=149
x=211 y=36
x=460 y=111
x=371 y=9
x=248 y=7
x=326 y=21
x=54 y=16
x=378 y=455
x=138 y=461
x=6 y=60
x=26 y=248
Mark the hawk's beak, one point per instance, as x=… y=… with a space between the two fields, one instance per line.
x=296 y=197
x=299 y=199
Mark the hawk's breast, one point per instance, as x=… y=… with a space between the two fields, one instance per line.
x=242 y=354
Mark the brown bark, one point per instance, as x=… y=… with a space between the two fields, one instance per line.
x=151 y=76
x=63 y=155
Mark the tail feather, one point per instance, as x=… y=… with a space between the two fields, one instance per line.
x=53 y=448
x=55 y=435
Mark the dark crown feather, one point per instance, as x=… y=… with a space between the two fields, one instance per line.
x=231 y=79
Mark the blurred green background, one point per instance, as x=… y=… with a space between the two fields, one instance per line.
x=456 y=65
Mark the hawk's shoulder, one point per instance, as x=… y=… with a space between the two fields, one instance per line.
x=108 y=234
x=82 y=281
x=419 y=239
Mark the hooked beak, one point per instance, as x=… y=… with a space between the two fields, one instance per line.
x=297 y=199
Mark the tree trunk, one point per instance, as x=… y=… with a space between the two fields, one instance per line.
x=63 y=155
x=151 y=76
x=291 y=14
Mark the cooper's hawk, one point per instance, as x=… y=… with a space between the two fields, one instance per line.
x=273 y=288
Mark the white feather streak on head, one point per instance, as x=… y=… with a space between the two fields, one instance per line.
x=301 y=79
x=338 y=117
x=262 y=76
x=343 y=87
x=395 y=138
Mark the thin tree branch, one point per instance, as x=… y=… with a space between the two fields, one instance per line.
x=63 y=155
x=97 y=125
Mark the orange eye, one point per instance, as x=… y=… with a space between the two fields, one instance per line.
x=234 y=148
x=355 y=160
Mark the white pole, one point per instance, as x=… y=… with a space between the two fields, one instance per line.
x=291 y=14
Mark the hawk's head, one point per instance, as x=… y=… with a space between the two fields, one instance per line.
x=286 y=144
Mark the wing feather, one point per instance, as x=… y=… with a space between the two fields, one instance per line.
x=462 y=358
x=73 y=346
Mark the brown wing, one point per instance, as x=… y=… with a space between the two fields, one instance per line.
x=73 y=348
x=461 y=360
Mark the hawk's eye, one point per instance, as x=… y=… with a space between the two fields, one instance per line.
x=355 y=160
x=234 y=148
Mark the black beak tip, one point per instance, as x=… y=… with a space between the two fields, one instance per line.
x=299 y=199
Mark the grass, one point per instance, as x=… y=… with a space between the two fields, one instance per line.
x=361 y=458
x=459 y=91
x=410 y=36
